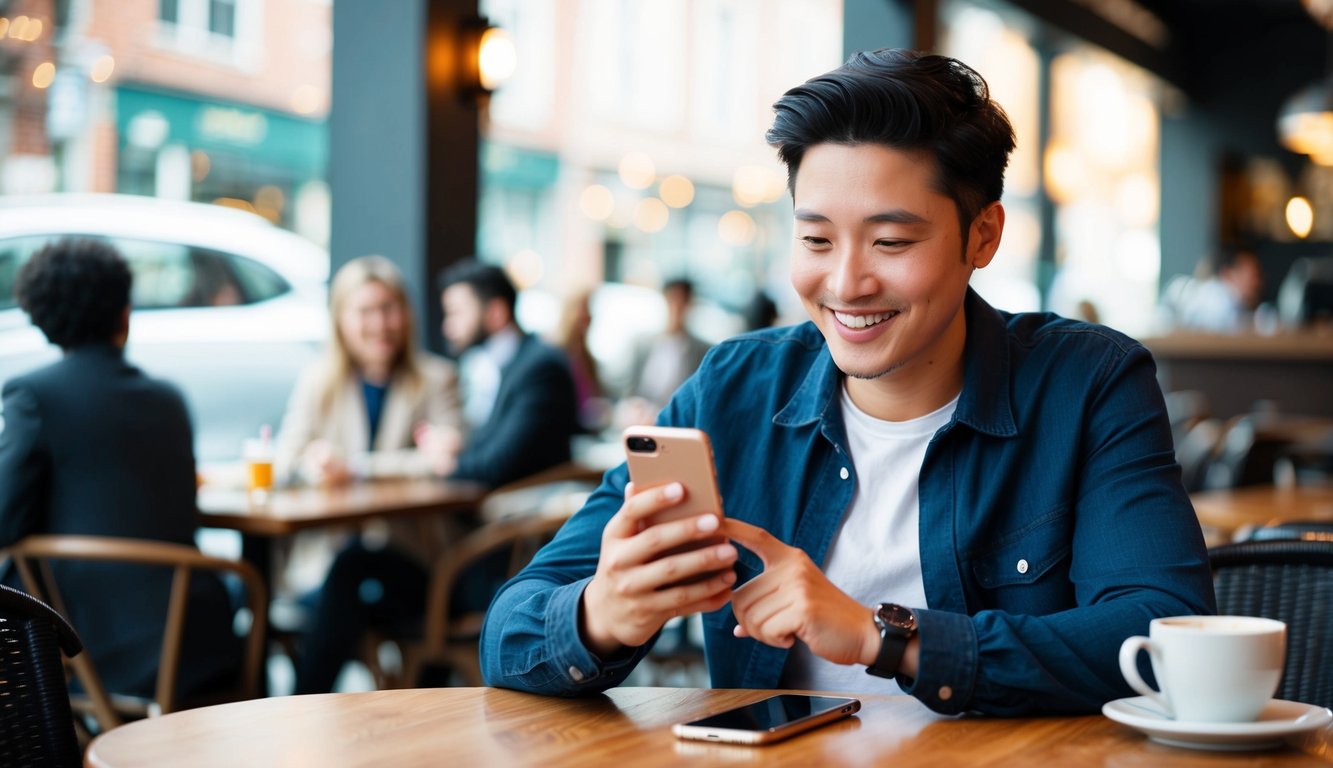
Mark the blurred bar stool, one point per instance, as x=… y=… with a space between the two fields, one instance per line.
x=36 y=724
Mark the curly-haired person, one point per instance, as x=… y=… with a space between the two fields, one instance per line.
x=92 y=446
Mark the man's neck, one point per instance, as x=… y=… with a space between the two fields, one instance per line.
x=922 y=385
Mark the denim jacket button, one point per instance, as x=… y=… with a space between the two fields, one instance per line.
x=576 y=674
x=843 y=473
x=1022 y=566
x=946 y=693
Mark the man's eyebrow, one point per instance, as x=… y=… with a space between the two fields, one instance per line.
x=896 y=216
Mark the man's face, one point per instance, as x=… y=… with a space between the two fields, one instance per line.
x=464 y=324
x=1247 y=278
x=878 y=262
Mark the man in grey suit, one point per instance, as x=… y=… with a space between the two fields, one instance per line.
x=92 y=446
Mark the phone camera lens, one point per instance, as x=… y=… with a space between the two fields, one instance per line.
x=641 y=444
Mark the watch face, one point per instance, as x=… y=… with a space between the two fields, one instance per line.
x=896 y=616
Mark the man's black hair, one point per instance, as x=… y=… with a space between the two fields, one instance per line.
x=910 y=102
x=486 y=280
x=679 y=284
x=75 y=290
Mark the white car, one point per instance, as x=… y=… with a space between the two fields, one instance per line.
x=226 y=305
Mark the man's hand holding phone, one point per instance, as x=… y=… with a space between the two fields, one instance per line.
x=636 y=589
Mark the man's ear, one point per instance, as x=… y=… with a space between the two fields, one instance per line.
x=496 y=315
x=122 y=328
x=983 y=240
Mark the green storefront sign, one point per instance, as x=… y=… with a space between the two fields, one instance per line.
x=264 y=136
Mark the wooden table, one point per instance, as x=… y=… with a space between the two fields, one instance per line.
x=1227 y=511
x=627 y=727
x=289 y=510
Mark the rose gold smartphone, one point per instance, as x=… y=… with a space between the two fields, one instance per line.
x=773 y=719
x=661 y=455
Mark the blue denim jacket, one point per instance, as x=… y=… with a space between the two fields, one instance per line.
x=1053 y=520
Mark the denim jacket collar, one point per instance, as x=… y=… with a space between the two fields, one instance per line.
x=984 y=405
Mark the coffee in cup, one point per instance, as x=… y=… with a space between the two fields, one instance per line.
x=1210 y=669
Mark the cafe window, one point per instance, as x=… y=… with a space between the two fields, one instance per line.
x=226 y=30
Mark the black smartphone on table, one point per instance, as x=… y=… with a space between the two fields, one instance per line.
x=772 y=719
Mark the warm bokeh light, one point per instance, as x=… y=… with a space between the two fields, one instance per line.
x=1300 y=216
x=200 y=165
x=307 y=99
x=1064 y=173
x=1137 y=198
x=269 y=202
x=676 y=191
x=751 y=185
x=4 y=26
x=651 y=214
x=637 y=170
x=525 y=268
x=234 y=202
x=497 y=59
x=597 y=202
x=102 y=68
x=44 y=75
x=32 y=30
x=18 y=27
x=736 y=228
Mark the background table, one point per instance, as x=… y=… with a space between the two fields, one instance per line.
x=1228 y=511
x=288 y=510
x=626 y=727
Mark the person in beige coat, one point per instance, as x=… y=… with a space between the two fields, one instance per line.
x=352 y=413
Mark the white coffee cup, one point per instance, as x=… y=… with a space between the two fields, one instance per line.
x=1211 y=669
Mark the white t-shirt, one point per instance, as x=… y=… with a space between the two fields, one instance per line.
x=875 y=557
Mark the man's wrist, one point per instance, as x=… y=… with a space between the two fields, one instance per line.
x=897 y=629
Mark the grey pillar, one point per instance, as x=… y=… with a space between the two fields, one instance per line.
x=403 y=143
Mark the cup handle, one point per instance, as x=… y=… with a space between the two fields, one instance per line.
x=1129 y=667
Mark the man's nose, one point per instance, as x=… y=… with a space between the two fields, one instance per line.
x=852 y=276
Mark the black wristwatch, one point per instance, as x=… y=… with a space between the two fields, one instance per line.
x=897 y=626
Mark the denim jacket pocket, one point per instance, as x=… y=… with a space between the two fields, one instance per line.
x=1025 y=556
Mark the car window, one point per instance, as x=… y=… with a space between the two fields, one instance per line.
x=14 y=253
x=258 y=282
x=165 y=274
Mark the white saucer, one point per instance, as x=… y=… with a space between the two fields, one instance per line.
x=1279 y=720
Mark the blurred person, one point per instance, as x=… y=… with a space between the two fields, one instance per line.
x=352 y=414
x=918 y=486
x=92 y=446
x=519 y=402
x=571 y=335
x=663 y=363
x=518 y=393
x=1224 y=301
x=761 y=312
x=352 y=417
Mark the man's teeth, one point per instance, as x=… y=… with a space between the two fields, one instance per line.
x=862 y=321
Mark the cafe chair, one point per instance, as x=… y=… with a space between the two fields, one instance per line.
x=36 y=725
x=1184 y=409
x=1291 y=581
x=446 y=638
x=33 y=557
x=1196 y=450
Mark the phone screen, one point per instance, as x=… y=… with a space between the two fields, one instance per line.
x=773 y=712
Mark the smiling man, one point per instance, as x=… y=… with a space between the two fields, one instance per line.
x=973 y=506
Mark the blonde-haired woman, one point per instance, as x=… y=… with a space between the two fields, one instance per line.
x=351 y=417
x=353 y=413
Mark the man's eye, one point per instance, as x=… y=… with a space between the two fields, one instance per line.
x=814 y=241
x=892 y=243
